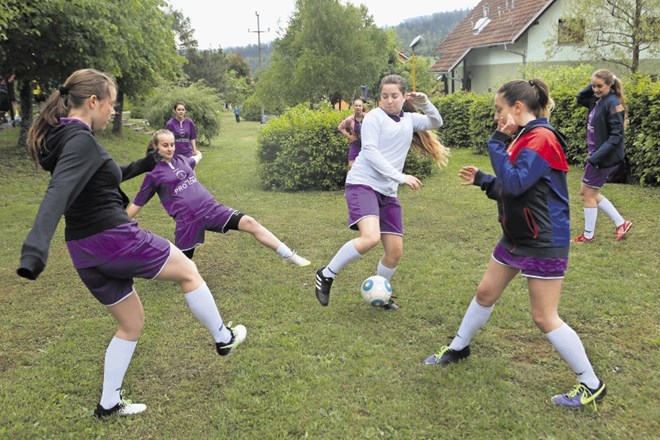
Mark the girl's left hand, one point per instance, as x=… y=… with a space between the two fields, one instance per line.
x=417 y=98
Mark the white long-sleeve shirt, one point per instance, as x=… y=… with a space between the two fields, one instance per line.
x=385 y=145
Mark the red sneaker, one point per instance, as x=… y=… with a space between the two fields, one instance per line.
x=622 y=230
x=582 y=239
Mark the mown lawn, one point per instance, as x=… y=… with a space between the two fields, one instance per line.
x=348 y=371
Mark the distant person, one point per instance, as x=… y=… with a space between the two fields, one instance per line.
x=531 y=189
x=605 y=145
x=8 y=98
x=351 y=129
x=192 y=206
x=372 y=183
x=107 y=248
x=185 y=132
x=237 y=113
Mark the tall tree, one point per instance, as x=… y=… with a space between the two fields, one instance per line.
x=126 y=38
x=316 y=58
x=618 y=31
x=208 y=65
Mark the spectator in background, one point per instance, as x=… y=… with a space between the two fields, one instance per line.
x=185 y=132
x=351 y=129
x=237 y=113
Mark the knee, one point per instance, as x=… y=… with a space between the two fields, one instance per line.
x=370 y=239
x=249 y=224
x=394 y=255
x=485 y=297
x=132 y=328
x=546 y=322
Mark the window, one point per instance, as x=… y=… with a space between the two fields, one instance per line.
x=570 y=31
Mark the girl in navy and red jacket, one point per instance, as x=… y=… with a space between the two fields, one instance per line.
x=532 y=198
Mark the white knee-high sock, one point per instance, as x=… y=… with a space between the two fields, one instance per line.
x=608 y=208
x=346 y=254
x=384 y=271
x=570 y=348
x=590 y=217
x=118 y=356
x=203 y=307
x=284 y=251
x=475 y=317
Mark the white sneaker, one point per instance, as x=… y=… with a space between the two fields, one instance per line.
x=297 y=260
x=123 y=408
x=238 y=335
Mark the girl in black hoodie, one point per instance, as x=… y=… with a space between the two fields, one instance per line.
x=108 y=249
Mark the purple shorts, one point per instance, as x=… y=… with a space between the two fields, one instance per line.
x=354 y=150
x=187 y=235
x=362 y=201
x=596 y=177
x=107 y=262
x=532 y=267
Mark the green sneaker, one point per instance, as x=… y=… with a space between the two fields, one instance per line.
x=580 y=396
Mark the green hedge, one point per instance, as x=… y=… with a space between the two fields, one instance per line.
x=469 y=122
x=302 y=150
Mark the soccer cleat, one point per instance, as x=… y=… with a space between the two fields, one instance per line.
x=124 y=408
x=296 y=260
x=447 y=356
x=580 y=396
x=391 y=305
x=322 y=288
x=622 y=230
x=582 y=239
x=238 y=335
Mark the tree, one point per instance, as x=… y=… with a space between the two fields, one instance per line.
x=207 y=65
x=617 y=31
x=126 y=38
x=316 y=58
x=237 y=63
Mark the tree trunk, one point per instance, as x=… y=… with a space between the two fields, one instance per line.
x=26 y=97
x=119 y=109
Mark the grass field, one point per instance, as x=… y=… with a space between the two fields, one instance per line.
x=347 y=371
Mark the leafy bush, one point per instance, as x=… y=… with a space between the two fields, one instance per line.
x=481 y=122
x=455 y=111
x=642 y=141
x=202 y=104
x=303 y=150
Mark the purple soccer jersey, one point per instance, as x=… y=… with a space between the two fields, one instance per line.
x=182 y=196
x=184 y=132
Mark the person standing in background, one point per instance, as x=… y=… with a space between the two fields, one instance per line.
x=185 y=132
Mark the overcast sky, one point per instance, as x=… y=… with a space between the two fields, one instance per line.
x=222 y=23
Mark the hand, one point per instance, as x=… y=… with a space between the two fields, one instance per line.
x=352 y=138
x=507 y=125
x=467 y=173
x=413 y=182
x=417 y=98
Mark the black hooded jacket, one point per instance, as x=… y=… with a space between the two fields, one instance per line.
x=84 y=187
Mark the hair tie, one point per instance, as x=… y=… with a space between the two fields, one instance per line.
x=531 y=83
x=64 y=90
x=614 y=77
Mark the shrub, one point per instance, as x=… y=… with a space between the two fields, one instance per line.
x=642 y=142
x=455 y=111
x=481 y=122
x=202 y=105
x=302 y=150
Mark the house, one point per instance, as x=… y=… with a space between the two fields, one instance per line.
x=489 y=45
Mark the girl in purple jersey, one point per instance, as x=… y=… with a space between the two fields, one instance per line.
x=185 y=132
x=372 y=183
x=192 y=206
x=108 y=249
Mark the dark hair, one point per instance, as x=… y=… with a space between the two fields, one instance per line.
x=178 y=103
x=611 y=80
x=533 y=93
x=79 y=86
x=394 y=79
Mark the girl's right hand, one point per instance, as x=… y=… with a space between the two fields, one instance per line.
x=467 y=173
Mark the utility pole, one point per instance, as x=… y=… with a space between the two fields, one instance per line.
x=259 y=32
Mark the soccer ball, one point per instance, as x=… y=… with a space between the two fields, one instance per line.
x=376 y=290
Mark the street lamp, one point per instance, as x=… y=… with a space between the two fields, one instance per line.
x=415 y=42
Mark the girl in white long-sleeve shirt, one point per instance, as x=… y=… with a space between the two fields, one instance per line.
x=372 y=183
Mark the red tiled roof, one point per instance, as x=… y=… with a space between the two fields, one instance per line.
x=508 y=20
